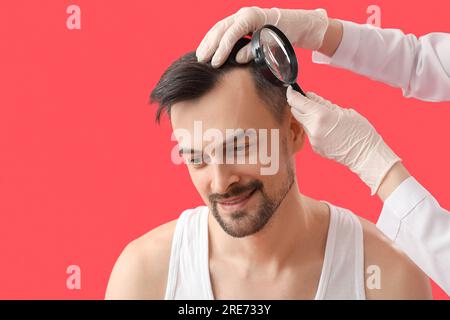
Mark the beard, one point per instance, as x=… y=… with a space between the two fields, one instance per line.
x=245 y=222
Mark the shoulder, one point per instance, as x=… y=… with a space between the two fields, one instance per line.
x=389 y=272
x=141 y=270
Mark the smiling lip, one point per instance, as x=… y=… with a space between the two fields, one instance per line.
x=237 y=201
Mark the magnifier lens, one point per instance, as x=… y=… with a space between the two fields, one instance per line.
x=276 y=56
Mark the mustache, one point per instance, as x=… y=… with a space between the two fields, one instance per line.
x=236 y=191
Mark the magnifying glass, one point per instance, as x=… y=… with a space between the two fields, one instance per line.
x=275 y=55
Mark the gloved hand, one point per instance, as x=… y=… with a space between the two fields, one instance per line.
x=304 y=28
x=343 y=135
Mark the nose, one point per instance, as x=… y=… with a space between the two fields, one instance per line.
x=223 y=176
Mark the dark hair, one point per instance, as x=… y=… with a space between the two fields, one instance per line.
x=188 y=79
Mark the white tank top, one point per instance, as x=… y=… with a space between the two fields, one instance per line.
x=342 y=275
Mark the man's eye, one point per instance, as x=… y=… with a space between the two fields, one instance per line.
x=197 y=160
x=236 y=148
x=241 y=147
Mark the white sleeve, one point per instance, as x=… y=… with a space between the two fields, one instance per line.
x=420 y=67
x=415 y=221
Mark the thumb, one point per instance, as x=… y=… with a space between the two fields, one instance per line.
x=300 y=103
x=245 y=54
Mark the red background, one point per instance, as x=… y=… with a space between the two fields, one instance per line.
x=83 y=168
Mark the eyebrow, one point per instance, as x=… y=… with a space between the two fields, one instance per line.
x=230 y=139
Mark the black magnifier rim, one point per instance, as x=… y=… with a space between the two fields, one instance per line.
x=260 y=58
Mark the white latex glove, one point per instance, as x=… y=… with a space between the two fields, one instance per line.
x=343 y=135
x=304 y=28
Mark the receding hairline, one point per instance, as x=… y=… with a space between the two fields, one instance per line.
x=187 y=68
x=229 y=75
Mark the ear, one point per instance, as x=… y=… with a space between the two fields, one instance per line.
x=296 y=134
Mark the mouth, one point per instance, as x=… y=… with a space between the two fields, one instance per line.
x=235 y=203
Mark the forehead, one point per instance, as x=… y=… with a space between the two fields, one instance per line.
x=232 y=103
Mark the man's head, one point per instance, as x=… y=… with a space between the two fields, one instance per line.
x=217 y=102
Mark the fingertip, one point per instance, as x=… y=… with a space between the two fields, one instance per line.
x=244 y=55
x=216 y=61
x=199 y=52
x=202 y=51
x=289 y=90
x=200 y=57
x=219 y=56
x=291 y=93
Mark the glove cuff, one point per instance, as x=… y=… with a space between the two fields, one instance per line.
x=376 y=166
x=304 y=28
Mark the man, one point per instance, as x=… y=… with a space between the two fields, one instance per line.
x=258 y=237
x=420 y=67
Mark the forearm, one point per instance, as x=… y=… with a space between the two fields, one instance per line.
x=392 y=180
x=420 y=67
x=332 y=38
x=415 y=221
